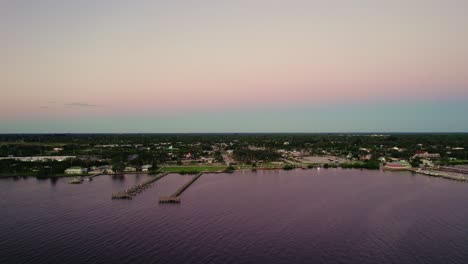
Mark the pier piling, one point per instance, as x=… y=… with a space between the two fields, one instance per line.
x=174 y=198
x=134 y=190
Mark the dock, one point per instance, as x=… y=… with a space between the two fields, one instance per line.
x=95 y=175
x=134 y=190
x=90 y=177
x=175 y=197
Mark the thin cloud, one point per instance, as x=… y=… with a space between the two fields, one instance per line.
x=84 y=105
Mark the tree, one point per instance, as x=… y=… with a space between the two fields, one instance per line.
x=416 y=162
x=118 y=167
x=230 y=169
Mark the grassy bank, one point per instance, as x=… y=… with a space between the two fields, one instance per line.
x=457 y=162
x=191 y=169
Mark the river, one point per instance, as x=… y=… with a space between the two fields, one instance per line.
x=299 y=216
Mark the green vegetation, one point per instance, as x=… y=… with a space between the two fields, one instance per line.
x=370 y=165
x=288 y=167
x=455 y=162
x=154 y=171
x=247 y=155
x=190 y=153
x=41 y=169
x=192 y=169
x=415 y=162
x=230 y=169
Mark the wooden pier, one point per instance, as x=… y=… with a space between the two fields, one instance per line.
x=174 y=198
x=90 y=177
x=134 y=190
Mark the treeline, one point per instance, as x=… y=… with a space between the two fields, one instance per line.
x=370 y=165
x=248 y=156
x=198 y=144
x=10 y=167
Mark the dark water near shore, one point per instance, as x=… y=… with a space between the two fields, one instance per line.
x=301 y=216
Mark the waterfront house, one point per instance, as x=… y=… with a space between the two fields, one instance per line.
x=130 y=169
x=146 y=168
x=75 y=171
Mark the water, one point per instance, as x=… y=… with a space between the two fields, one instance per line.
x=300 y=216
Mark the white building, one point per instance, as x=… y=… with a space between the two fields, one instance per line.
x=75 y=171
x=146 y=167
x=40 y=158
x=427 y=163
x=130 y=169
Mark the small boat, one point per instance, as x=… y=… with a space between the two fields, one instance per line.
x=76 y=180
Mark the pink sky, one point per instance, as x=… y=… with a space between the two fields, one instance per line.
x=161 y=58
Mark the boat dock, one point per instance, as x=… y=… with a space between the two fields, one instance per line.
x=90 y=177
x=94 y=175
x=134 y=190
x=174 y=198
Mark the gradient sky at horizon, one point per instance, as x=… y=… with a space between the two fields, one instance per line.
x=233 y=66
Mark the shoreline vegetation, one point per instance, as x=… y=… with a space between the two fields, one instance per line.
x=193 y=170
x=209 y=169
x=85 y=155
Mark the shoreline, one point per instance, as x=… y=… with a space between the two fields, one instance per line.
x=450 y=175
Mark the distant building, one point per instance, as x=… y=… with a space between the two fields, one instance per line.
x=130 y=169
x=426 y=163
x=399 y=165
x=75 y=170
x=207 y=160
x=277 y=163
x=146 y=168
x=365 y=149
x=366 y=157
x=296 y=153
x=107 y=169
x=132 y=157
x=39 y=158
x=426 y=155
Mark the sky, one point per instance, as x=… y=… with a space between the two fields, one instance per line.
x=233 y=66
